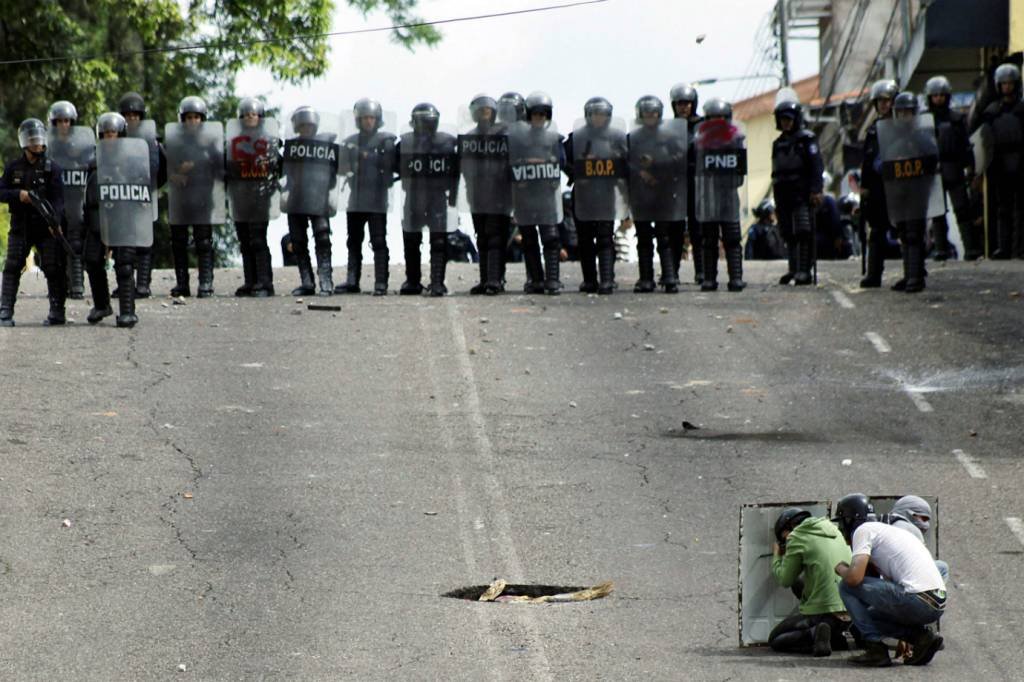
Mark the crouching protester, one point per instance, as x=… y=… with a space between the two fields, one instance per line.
x=899 y=605
x=913 y=514
x=808 y=548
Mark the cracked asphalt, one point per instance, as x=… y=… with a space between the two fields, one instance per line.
x=260 y=491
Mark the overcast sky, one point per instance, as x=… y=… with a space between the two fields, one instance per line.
x=621 y=49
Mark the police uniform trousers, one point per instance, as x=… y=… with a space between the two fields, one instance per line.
x=20 y=241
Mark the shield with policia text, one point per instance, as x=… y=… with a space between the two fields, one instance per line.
x=252 y=169
x=311 y=163
x=534 y=155
x=429 y=170
x=909 y=152
x=124 y=191
x=146 y=130
x=721 y=166
x=73 y=151
x=483 y=160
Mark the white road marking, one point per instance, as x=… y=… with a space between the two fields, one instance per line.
x=1017 y=526
x=918 y=399
x=842 y=299
x=878 y=342
x=970 y=463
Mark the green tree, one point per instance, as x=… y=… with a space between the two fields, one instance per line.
x=90 y=52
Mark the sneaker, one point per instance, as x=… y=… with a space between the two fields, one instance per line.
x=876 y=655
x=923 y=648
x=822 y=640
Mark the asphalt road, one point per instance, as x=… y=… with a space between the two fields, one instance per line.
x=260 y=491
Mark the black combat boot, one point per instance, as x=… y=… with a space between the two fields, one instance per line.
x=552 y=266
x=144 y=273
x=306 y=285
x=76 y=279
x=734 y=265
x=352 y=274
x=606 y=270
x=248 y=276
x=480 y=287
x=493 y=285
x=100 y=295
x=126 y=317
x=793 y=254
x=8 y=294
x=380 y=273
x=534 y=272
x=710 y=261
x=324 y=269
x=645 y=284
x=803 y=263
x=875 y=266
x=913 y=262
x=205 y=262
x=669 y=280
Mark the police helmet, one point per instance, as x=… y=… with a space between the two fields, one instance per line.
x=539 y=103
x=31 y=132
x=481 y=102
x=111 y=122
x=884 y=89
x=249 y=105
x=938 y=85
x=511 y=107
x=716 y=107
x=305 y=116
x=368 y=107
x=62 y=109
x=132 y=103
x=851 y=512
x=905 y=101
x=597 y=105
x=1008 y=73
x=425 y=118
x=789 y=109
x=192 y=105
x=649 y=104
x=684 y=92
x=790 y=519
x=764 y=209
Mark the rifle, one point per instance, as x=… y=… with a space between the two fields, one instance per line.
x=45 y=209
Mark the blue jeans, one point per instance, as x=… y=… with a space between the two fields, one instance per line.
x=880 y=608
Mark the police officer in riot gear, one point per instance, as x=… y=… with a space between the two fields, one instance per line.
x=797 y=186
x=1005 y=117
x=511 y=108
x=721 y=164
x=32 y=172
x=596 y=155
x=873 y=206
x=193 y=169
x=74 y=156
x=684 y=106
x=428 y=166
x=133 y=108
x=368 y=157
x=955 y=157
x=483 y=160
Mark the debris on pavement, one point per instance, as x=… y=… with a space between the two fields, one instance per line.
x=496 y=588
x=587 y=594
x=66 y=523
x=326 y=308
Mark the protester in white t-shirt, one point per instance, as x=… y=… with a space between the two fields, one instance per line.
x=908 y=594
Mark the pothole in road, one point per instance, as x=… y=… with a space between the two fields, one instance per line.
x=501 y=592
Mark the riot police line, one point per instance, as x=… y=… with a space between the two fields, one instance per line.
x=673 y=176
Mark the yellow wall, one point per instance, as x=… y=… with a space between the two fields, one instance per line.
x=1016 y=26
x=760 y=135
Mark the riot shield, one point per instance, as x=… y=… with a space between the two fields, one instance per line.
x=252 y=165
x=146 y=130
x=535 y=164
x=195 y=173
x=428 y=167
x=73 y=152
x=600 y=157
x=367 y=166
x=721 y=166
x=124 y=190
x=657 y=172
x=483 y=160
x=311 y=165
x=909 y=153
x=984 y=148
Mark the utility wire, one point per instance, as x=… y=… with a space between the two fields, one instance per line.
x=301 y=36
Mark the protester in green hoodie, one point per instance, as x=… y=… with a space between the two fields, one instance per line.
x=808 y=549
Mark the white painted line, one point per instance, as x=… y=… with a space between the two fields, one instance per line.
x=878 y=342
x=1017 y=526
x=970 y=463
x=918 y=400
x=842 y=299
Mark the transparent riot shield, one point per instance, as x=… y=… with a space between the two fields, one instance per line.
x=600 y=160
x=125 y=194
x=252 y=161
x=311 y=164
x=984 y=148
x=535 y=156
x=483 y=160
x=657 y=172
x=721 y=166
x=428 y=167
x=73 y=151
x=368 y=167
x=909 y=153
x=763 y=604
x=146 y=130
x=195 y=173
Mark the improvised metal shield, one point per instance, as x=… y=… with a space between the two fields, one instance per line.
x=535 y=156
x=600 y=184
x=311 y=166
x=124 y=192
x=368 y=168
x=195 y=173
x=428 y=167
x=657 y=171
x=252 y=169
x=483 y=160
x=721 y=166
x=74 y=152
x=909 y=153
